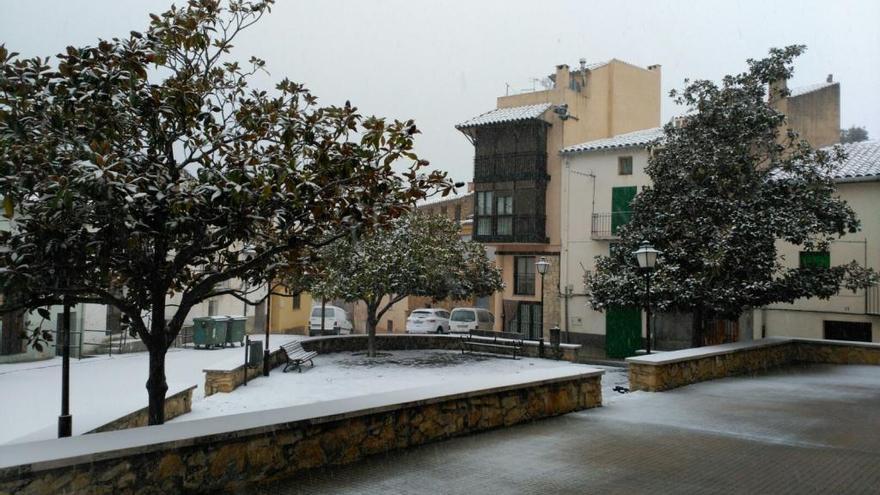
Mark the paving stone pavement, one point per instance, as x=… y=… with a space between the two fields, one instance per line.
x=800 y=430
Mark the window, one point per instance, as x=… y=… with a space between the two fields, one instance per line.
x=463 y=315
x=484 y=212
x=815 y=259
x=504 y=211
x=296 y=301
x=524 y=275
x=625 y=165
x=848 y=330
x=212 y=308
x=621 y=199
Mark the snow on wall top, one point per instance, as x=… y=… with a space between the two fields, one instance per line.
x=862 y=160
x=802 y=90
x=511 y=114
x=628 y=140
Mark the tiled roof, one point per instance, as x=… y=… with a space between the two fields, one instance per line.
x=511 y=114
x=862 y=161
x=628 y=140
x=809 y=89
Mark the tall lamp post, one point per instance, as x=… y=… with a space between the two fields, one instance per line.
x=647 y=258
x=249 y=252
x=542 y=265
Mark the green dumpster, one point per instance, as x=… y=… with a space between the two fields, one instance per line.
x=203 y=332
x=221 y=329
x=235 y=332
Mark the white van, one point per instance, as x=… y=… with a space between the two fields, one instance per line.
x=335 y=320
x=467 y=319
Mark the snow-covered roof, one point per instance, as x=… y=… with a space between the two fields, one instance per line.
x=512 y=114
x=628 y=140
x=459 y=194
x=802 y=90
x=862 y=161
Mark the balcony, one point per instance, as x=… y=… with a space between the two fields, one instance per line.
x=605 y=225
x=510 y=166
x=525 y=228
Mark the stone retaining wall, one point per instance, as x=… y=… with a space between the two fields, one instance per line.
x=163 y=459
x=175 y=405
x=227 y=380
x=667 y=370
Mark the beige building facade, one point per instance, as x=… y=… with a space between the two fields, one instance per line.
x=518 y=171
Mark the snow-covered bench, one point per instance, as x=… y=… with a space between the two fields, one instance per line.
x=297 y=356
x=495 y=344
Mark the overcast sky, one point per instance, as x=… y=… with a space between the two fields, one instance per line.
x=442 y=62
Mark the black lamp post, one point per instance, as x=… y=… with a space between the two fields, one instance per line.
x=542 y=265
x=65 y=420
x=647 y=258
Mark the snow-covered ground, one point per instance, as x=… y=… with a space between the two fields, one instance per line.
x=102 y=388
x=344 y=375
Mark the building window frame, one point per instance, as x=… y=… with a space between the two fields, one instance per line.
x=524 y=275
x=624 y=165
x=296 y=301
x=483 y=214
x=504 y=214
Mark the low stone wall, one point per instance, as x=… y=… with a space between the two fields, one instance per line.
x=227 y=380
x=175 y=405
x=667 y=370
x=229 y=453
x=404 y=342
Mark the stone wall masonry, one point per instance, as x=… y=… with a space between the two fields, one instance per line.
x=228 y=454
x=175 y=405
x=668 y=370
x=227 y=380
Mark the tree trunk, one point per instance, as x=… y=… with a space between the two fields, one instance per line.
x=371 y=330
x=156 y=385
x=157 y=345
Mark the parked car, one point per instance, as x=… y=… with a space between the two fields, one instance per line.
x=428 y=320
x=467 y=319
x=336 y=320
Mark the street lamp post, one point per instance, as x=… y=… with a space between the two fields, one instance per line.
x=646 y=255
x=542 y=265
x=65 y=421
x=266 y=352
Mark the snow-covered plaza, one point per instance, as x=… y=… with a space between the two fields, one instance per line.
x=104 y=388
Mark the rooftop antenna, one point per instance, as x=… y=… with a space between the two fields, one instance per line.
x=506 y=89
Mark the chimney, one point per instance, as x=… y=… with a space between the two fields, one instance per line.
x=562 y=76
x=830 y=78
x=775 y=98
x=655 y=67
x=470 y=187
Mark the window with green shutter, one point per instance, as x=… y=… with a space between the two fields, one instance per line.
x=815 y=259
x=621 y=197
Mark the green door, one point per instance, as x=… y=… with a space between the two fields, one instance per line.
x=621 y=197
x=623 y=332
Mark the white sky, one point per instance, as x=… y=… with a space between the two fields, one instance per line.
x=442 y=62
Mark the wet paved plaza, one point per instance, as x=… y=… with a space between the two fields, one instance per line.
x=813 y=429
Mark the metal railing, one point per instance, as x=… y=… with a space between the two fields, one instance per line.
x=605 y=225
x=510 y=166
x=111 y=343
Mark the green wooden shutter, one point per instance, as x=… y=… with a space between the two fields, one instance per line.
x=621 y=197
x=815 y=259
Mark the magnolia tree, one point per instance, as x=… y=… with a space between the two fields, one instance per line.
x=418 y=255
x=726 y=185
x=146 y=167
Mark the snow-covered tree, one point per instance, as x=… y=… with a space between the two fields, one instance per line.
x=726 y=184
x=147 y=167
x=418 y=255
x=853 y=135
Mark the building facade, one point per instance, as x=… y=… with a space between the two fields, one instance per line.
x=601 y=177
x=518 y=197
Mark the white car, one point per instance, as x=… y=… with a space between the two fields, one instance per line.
x=467 y=319
x=336 y=320
x=428 y=320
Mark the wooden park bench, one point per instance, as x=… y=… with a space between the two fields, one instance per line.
x=297 y=356
x=492 y=342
